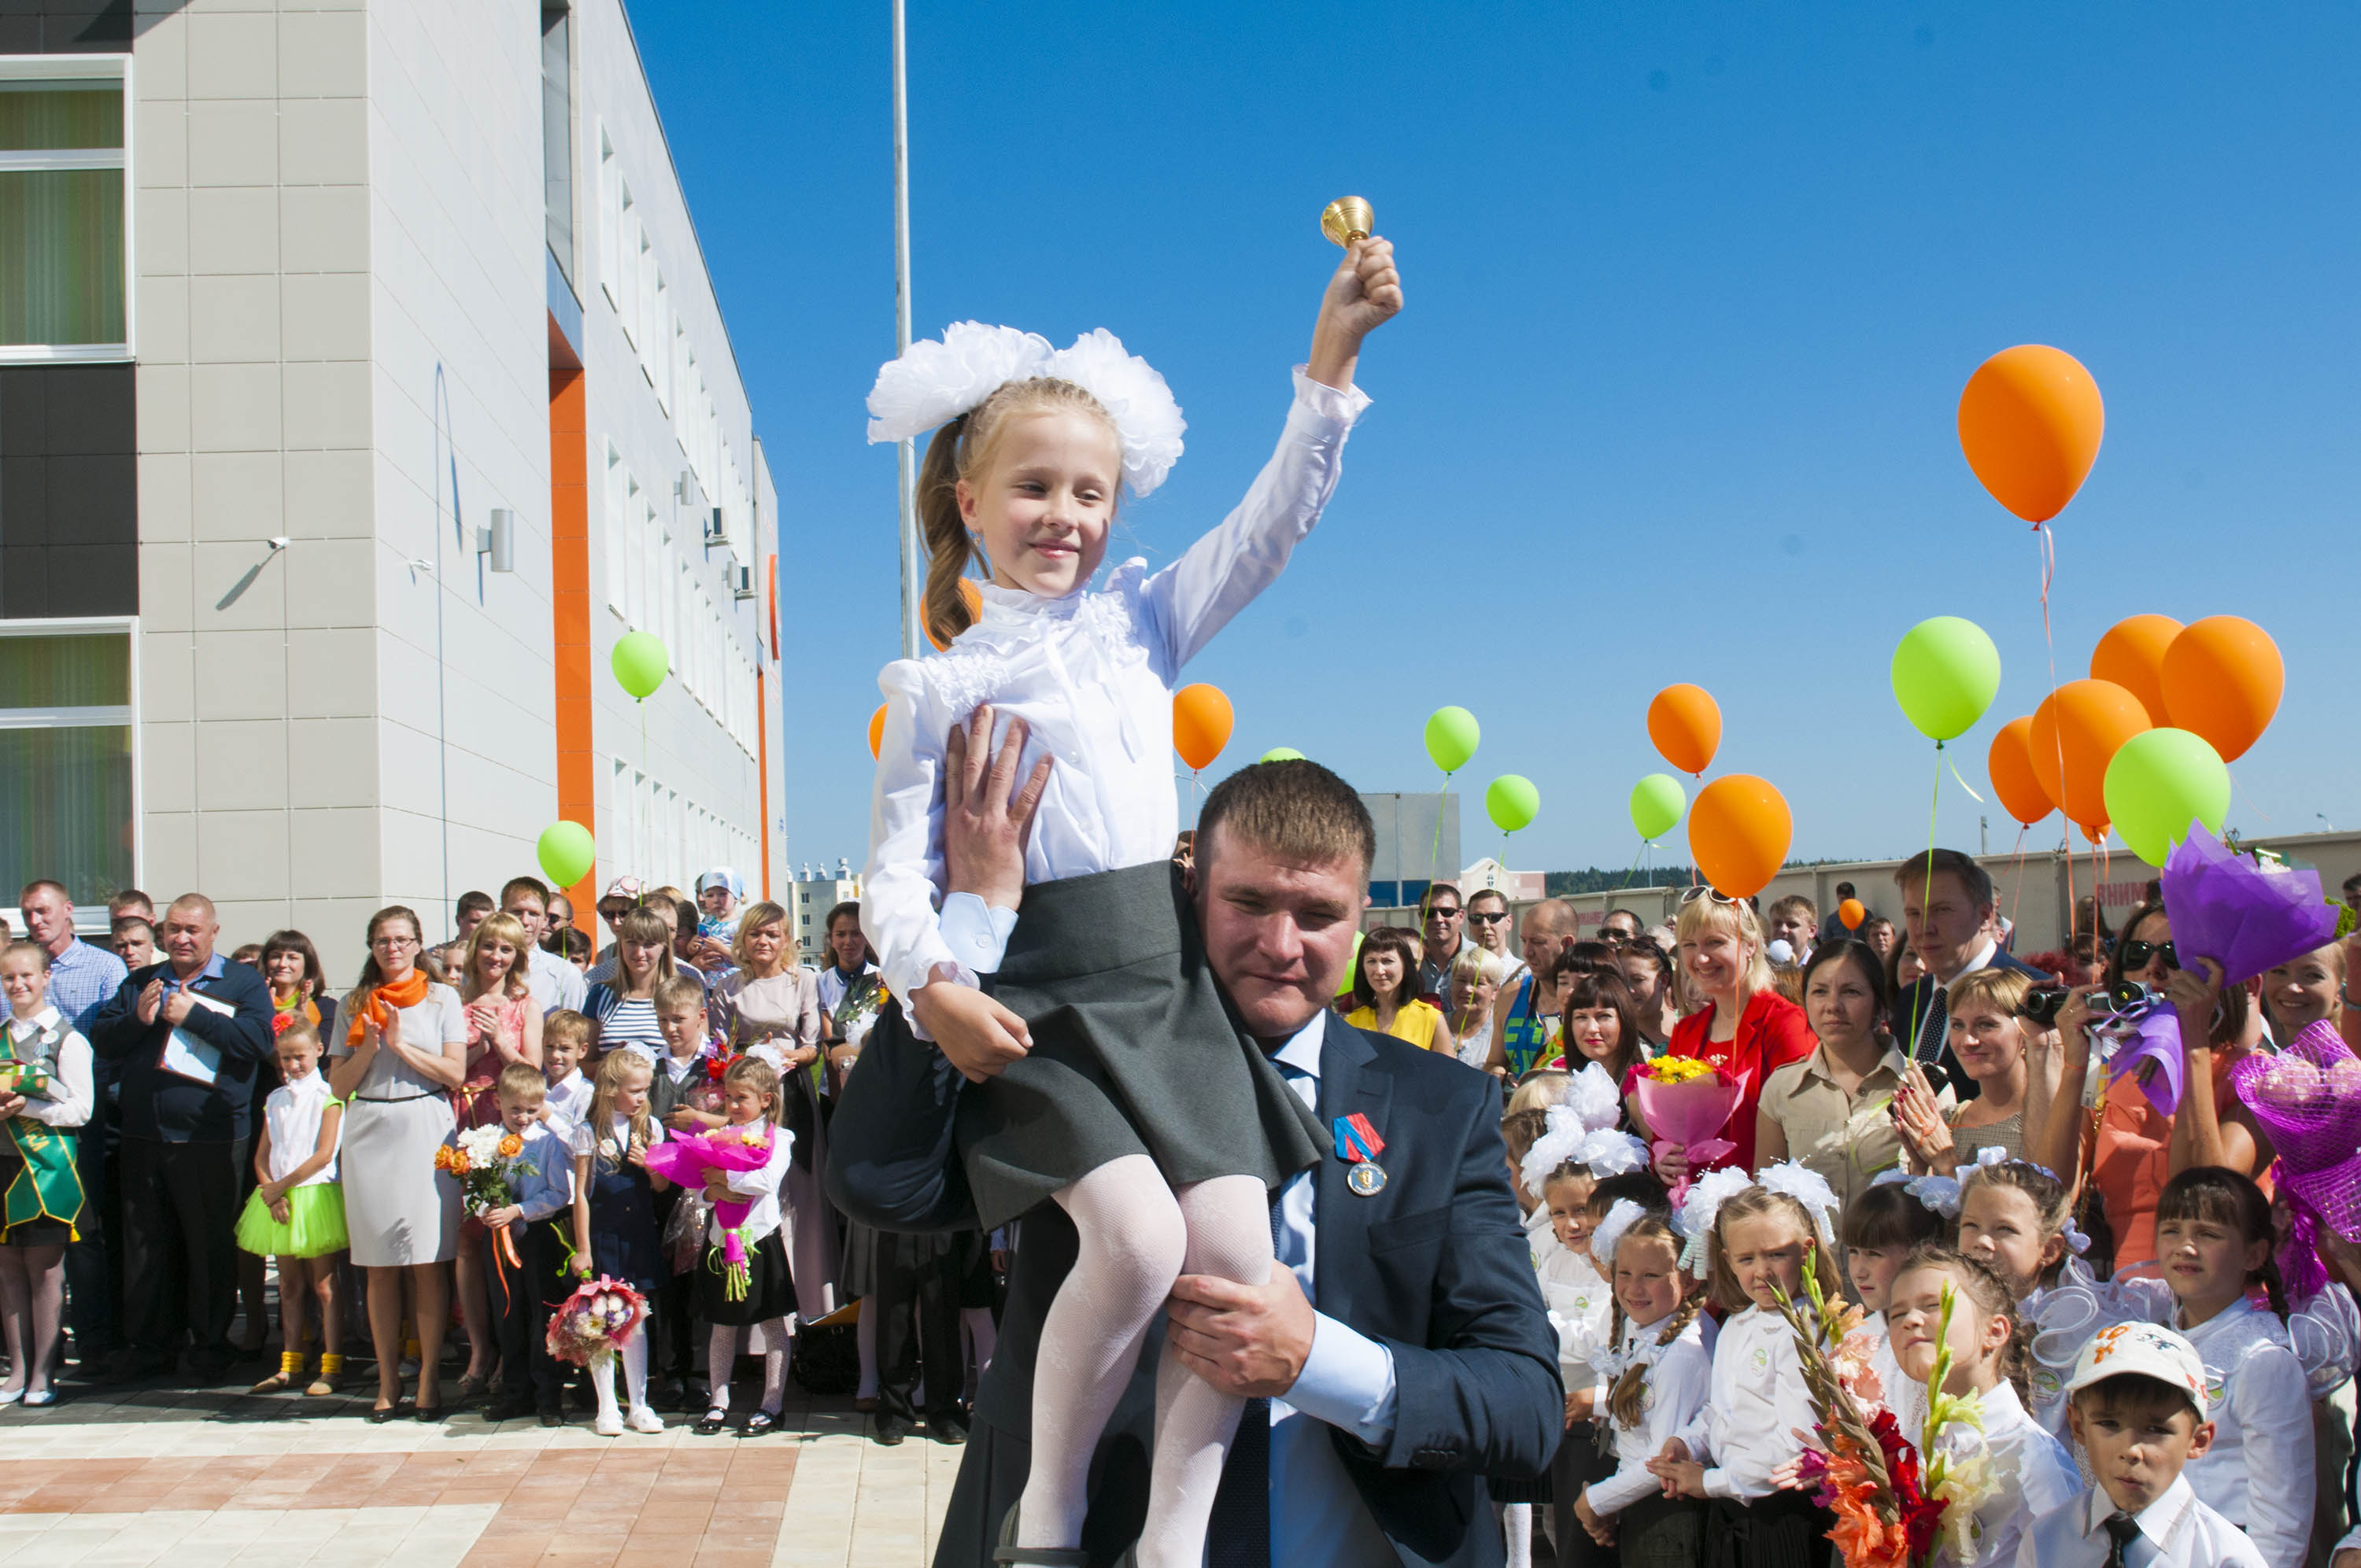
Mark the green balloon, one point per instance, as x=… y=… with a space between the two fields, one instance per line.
x=2160 y=779
x=641 y=663
x=565 y=853
x=1511 y=802
x=1281 y=754
x=1945 y=674
x=1657 y=802
x=1451 y=737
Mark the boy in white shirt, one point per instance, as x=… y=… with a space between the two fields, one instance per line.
x=2136 y=1406
x=564 y=1041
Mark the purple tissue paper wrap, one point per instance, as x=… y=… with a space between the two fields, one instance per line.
x=2158 y=1043
x=2244 y=918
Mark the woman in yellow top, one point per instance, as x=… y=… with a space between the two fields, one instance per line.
x=1385 y=993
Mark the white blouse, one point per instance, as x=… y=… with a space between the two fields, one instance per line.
x=1092 y=675
x=1679 y=1383
x=2259 y=1474
x=1581 y=1305
x=1757 y=1404
x=73 y=1092
x=761 y=1185
x=293 y=1115
x=2032 y=1470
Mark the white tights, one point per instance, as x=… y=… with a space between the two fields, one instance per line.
x=1136 y=1235
x=721 y=1356
x=635 y=1374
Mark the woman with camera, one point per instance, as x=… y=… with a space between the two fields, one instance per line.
x=2138 y=1148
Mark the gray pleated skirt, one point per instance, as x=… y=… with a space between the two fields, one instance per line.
x=1133 y=1052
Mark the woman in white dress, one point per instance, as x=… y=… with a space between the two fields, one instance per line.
x=771 y=1008
x=397 y=1061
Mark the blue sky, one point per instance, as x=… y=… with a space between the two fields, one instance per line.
x=1693 y=292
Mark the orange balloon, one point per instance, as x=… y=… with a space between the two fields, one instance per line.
x=1852 y=913
x=1739 y=829
x=2076 y=733
x=2030 y=422
x=973 y=595
x=2014 y=777
x=2132 y=655
x=1686 y=724
x=2223 y=680
x=877 y=730
x=1202 y=719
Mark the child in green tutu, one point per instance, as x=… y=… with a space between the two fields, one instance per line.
x=296 y=1214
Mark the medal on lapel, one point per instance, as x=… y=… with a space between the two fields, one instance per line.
x=1359 y=1145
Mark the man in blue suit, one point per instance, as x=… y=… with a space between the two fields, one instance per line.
x=185 y=1038
x=1948 y=909
x=1403 y=1352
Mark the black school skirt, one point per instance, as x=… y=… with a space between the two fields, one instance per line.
x=1784 y=1530
x=1133 y=1052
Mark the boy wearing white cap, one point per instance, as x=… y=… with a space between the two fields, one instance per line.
x=717 y=892
x=2136 y=1406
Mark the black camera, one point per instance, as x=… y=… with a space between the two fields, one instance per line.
x=2041 y=1004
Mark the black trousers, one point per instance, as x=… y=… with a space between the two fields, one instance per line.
x=917 y=1302
x=179 y=1246
x=94 y=1263
x=523 y=1296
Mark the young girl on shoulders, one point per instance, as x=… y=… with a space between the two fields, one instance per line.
x=296 y=1214
x=1658 y=1372
x=1759 y=1239
x=615 y=1223
x=1029 y=448
x=2030 y=1471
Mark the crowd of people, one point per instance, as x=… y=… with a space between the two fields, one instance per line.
x=2141 y=1311
x=189 y=1126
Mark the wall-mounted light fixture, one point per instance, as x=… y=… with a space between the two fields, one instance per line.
x=499 y=541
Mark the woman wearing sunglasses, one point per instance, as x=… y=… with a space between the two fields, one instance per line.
x=2139 y=1149
x=1745 y=1027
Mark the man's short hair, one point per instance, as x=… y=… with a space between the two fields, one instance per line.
x=519 y=1079
x=1638 y=925
x=1917 y=869
x=1844 y=890
x=43 y=884
x=531 y=884
x=475 y=902
x=123 y=923
x=196 y=900
x=1494 y=893
x=1295 y=809
x=1555 y=915
x=2352 y=885
x=129 y=898
x=1797 y=903
x=1426 y=899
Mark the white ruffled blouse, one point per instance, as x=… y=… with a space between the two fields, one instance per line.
x=2258 y=1474
x=1092 y=675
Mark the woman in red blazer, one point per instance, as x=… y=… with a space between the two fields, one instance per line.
x=1746 y=1028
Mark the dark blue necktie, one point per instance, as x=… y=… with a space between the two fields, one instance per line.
x=1238 y=1535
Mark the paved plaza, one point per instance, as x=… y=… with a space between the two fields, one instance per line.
x=212 y=1477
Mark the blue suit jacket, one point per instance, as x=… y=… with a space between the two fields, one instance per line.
x=1437 y=1266
x=163 y=1105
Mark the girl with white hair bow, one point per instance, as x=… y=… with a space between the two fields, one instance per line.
x=1101 y=998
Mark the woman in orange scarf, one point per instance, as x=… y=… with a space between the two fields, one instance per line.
x=402 y=1048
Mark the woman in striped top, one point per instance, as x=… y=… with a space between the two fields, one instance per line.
x=623 y=1010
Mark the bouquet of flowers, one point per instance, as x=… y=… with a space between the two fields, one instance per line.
x=2248 y=919
x=1687 y=1103
x=1890 y=1512
x=598 y=1319
x=692 y=1158
x=2308 y=1098
x=484 y=1160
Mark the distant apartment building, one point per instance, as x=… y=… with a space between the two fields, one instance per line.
x=361 y=382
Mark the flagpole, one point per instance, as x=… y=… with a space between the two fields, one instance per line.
x=905 y=450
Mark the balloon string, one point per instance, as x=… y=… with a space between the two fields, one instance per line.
x=1965 y=785
x=1633 y=874
x=2016 y=899
x=1933 y=806
x=2248 y=798
x=1434 y=856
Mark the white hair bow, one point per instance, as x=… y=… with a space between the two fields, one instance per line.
x=1707 y=1194
x=1806 y=1187
x=1610 y=1233
x=1576 y=1128
x=935 y=380
x=1936 y=1194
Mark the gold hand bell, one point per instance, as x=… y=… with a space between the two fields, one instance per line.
x=1346 y=219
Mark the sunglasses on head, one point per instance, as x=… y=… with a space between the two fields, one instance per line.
x=1702 y=891
x=2137 y=955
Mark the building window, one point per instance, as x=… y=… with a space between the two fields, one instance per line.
x=618 y=533
x=557 y=132
x=611 y=219
x=66 y=810
x=63 y=176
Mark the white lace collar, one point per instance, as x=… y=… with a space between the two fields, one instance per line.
x=1639 y=1348
x=1017 y=604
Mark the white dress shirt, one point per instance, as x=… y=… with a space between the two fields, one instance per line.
x=1092 y=675
x=292 y=1113
x=1581 y=1306
x=2032 y=1473
x=568 y=1101
x=72 y=1092
x=1757 y=1404
x=553 y=981
x=1679 y=1382
x=2259 y=1474
x=1317 y=1516
x=2176 y=1531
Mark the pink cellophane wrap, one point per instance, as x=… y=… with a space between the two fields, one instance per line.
x=2229 y=909
x=1687 y=1117
x=688 y=1158
x=2307 y=1099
